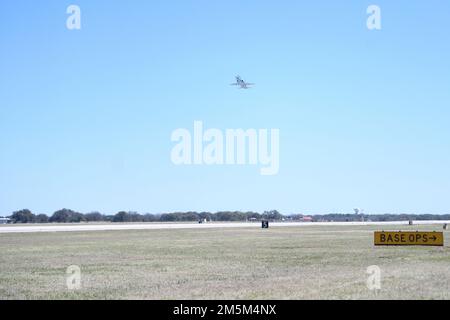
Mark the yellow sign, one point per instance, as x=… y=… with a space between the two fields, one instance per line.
x=408 y=238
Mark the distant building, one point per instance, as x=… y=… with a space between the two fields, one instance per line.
x=4 y=220
x=307 y=219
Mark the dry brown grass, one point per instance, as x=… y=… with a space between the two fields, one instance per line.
x=278 y=263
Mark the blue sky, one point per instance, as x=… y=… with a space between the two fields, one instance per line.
x=86 y=115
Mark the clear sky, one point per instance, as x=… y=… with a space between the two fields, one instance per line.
x=86 y=115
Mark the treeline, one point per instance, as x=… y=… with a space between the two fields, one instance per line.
x=339 y=217
x=70 y=216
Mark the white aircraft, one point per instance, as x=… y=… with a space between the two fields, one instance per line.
x=242 y=84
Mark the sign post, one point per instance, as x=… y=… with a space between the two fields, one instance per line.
x=408 y=238
x=265 y=224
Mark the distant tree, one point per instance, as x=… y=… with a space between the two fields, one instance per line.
x=23 y=216
x=121 y=216
x=168 y=217
x=124 y=216
x=188 y=216
x=148 y=217
x=108 y=218
x=66 y=215
x=225 y=216
x=135 y=217
x=180 y=216
x=252 y=215
x=41 y=218
x=94 y=216
x=60 y=216
x=272 y=215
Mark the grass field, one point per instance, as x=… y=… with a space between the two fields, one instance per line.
x=278 y=263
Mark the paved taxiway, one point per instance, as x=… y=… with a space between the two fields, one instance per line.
x=156 y=226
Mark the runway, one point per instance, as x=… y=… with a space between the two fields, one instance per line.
x=82 y=227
